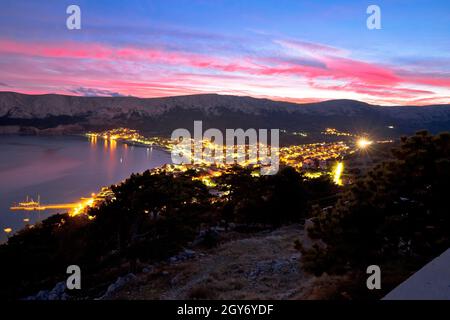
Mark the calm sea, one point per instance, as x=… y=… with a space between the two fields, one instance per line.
x=62 y=170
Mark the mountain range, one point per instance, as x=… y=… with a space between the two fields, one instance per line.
x=163 y=115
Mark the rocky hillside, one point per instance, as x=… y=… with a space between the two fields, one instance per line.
x=255 y=266
x=263 y=266
x=162 y=115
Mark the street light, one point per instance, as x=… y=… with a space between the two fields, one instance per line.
x=337 y=173
x=363 y=143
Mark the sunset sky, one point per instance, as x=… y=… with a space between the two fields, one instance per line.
x=295 y=50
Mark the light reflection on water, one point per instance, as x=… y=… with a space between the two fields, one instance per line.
x=62 y=170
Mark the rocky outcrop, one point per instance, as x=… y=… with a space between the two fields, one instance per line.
x=57 y=293
x=117 y=285
x=262 y=265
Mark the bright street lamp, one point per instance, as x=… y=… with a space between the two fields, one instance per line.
x=363 y=143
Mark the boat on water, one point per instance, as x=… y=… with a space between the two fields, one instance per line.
x=28 y=204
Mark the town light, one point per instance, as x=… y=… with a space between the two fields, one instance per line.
x=337 y=173
x=363 y=143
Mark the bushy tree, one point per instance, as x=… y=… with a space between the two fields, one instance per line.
x=151 y=217
x=397 y=212
x=272 y=200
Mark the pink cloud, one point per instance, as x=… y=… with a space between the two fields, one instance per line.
x=375 y=90
x=157 y=72
x=366 y=72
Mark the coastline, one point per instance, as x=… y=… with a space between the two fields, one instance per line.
x=65 y=192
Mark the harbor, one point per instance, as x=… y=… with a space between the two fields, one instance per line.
x=73 y=209
x=30 y=205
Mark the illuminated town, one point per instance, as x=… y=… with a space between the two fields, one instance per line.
x=306 y=157
x=313 y=160
x=335 y=132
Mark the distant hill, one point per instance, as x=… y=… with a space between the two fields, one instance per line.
x=163 y=115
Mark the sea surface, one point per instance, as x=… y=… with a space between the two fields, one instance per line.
x=62 y=170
